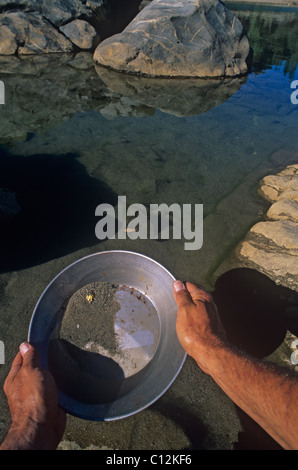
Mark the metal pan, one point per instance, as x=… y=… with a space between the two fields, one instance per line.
x=95 y=386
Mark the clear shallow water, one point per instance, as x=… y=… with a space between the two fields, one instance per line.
x=70 y=142
x=74 y=137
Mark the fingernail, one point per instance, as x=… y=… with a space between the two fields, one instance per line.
x=178 y=285
x=24 y=347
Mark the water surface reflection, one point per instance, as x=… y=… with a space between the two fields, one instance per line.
x=272 y=33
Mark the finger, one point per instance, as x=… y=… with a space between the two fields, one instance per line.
x=181 y=295
x=198 y=294
x=30 y=355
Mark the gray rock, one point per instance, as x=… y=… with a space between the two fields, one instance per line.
x=8 y=40
x=284 y=208
x=279 y=233
x=80 y=33
x=143 y=4
x=61 y=11
x=31 y=26
x=28 y=5
x=280 y=267
x=280 y=186
x=176 y=38
x=271 y=246
x=27 y=33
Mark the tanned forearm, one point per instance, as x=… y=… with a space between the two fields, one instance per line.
x=266 y=393
x=262 y=390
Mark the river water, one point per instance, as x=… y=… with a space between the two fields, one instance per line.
x=73 y=137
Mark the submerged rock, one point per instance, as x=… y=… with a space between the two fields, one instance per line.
x=197 y=38
x=272 y=246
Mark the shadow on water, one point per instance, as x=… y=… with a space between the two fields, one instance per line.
x=57 y=199
x=253 y=311
x=190 y=422
x=83 y=375
x=252 y=307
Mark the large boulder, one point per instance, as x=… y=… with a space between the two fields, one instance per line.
x=178 y=38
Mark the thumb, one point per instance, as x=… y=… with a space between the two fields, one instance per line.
x=29 y=354
x=181 y=295
x=197 y=294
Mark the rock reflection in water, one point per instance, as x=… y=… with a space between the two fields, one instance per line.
x=44 y=91
x=179 y=97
